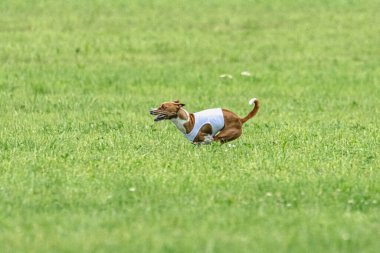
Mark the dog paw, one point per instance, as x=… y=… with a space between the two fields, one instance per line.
x=208 y=139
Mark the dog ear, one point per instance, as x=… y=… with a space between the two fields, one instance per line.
x=178 y=103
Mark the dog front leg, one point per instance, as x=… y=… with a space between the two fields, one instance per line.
x=208 y=139
x=204 y=139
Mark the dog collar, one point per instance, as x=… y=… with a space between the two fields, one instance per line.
x=187 y=115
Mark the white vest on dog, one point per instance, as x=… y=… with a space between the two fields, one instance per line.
x=214 y=117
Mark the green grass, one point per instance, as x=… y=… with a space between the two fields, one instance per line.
x=83 y=167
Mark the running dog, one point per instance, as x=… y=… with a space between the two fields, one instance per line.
x=206 y=126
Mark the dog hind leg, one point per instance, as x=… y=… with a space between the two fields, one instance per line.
x=228 y=135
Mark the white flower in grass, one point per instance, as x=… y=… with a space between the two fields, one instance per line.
x=268 y=194
x=226 y=76
x=246 y=73
x=132 y=189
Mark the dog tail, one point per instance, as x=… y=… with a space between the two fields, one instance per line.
x=252 y=113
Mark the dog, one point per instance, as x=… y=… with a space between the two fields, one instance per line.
x=204 y=127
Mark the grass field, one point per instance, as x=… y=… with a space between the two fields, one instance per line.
x=83 y=167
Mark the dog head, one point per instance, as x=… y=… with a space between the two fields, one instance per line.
x=167 y=110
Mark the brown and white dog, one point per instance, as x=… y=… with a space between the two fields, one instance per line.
x=206 y=126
